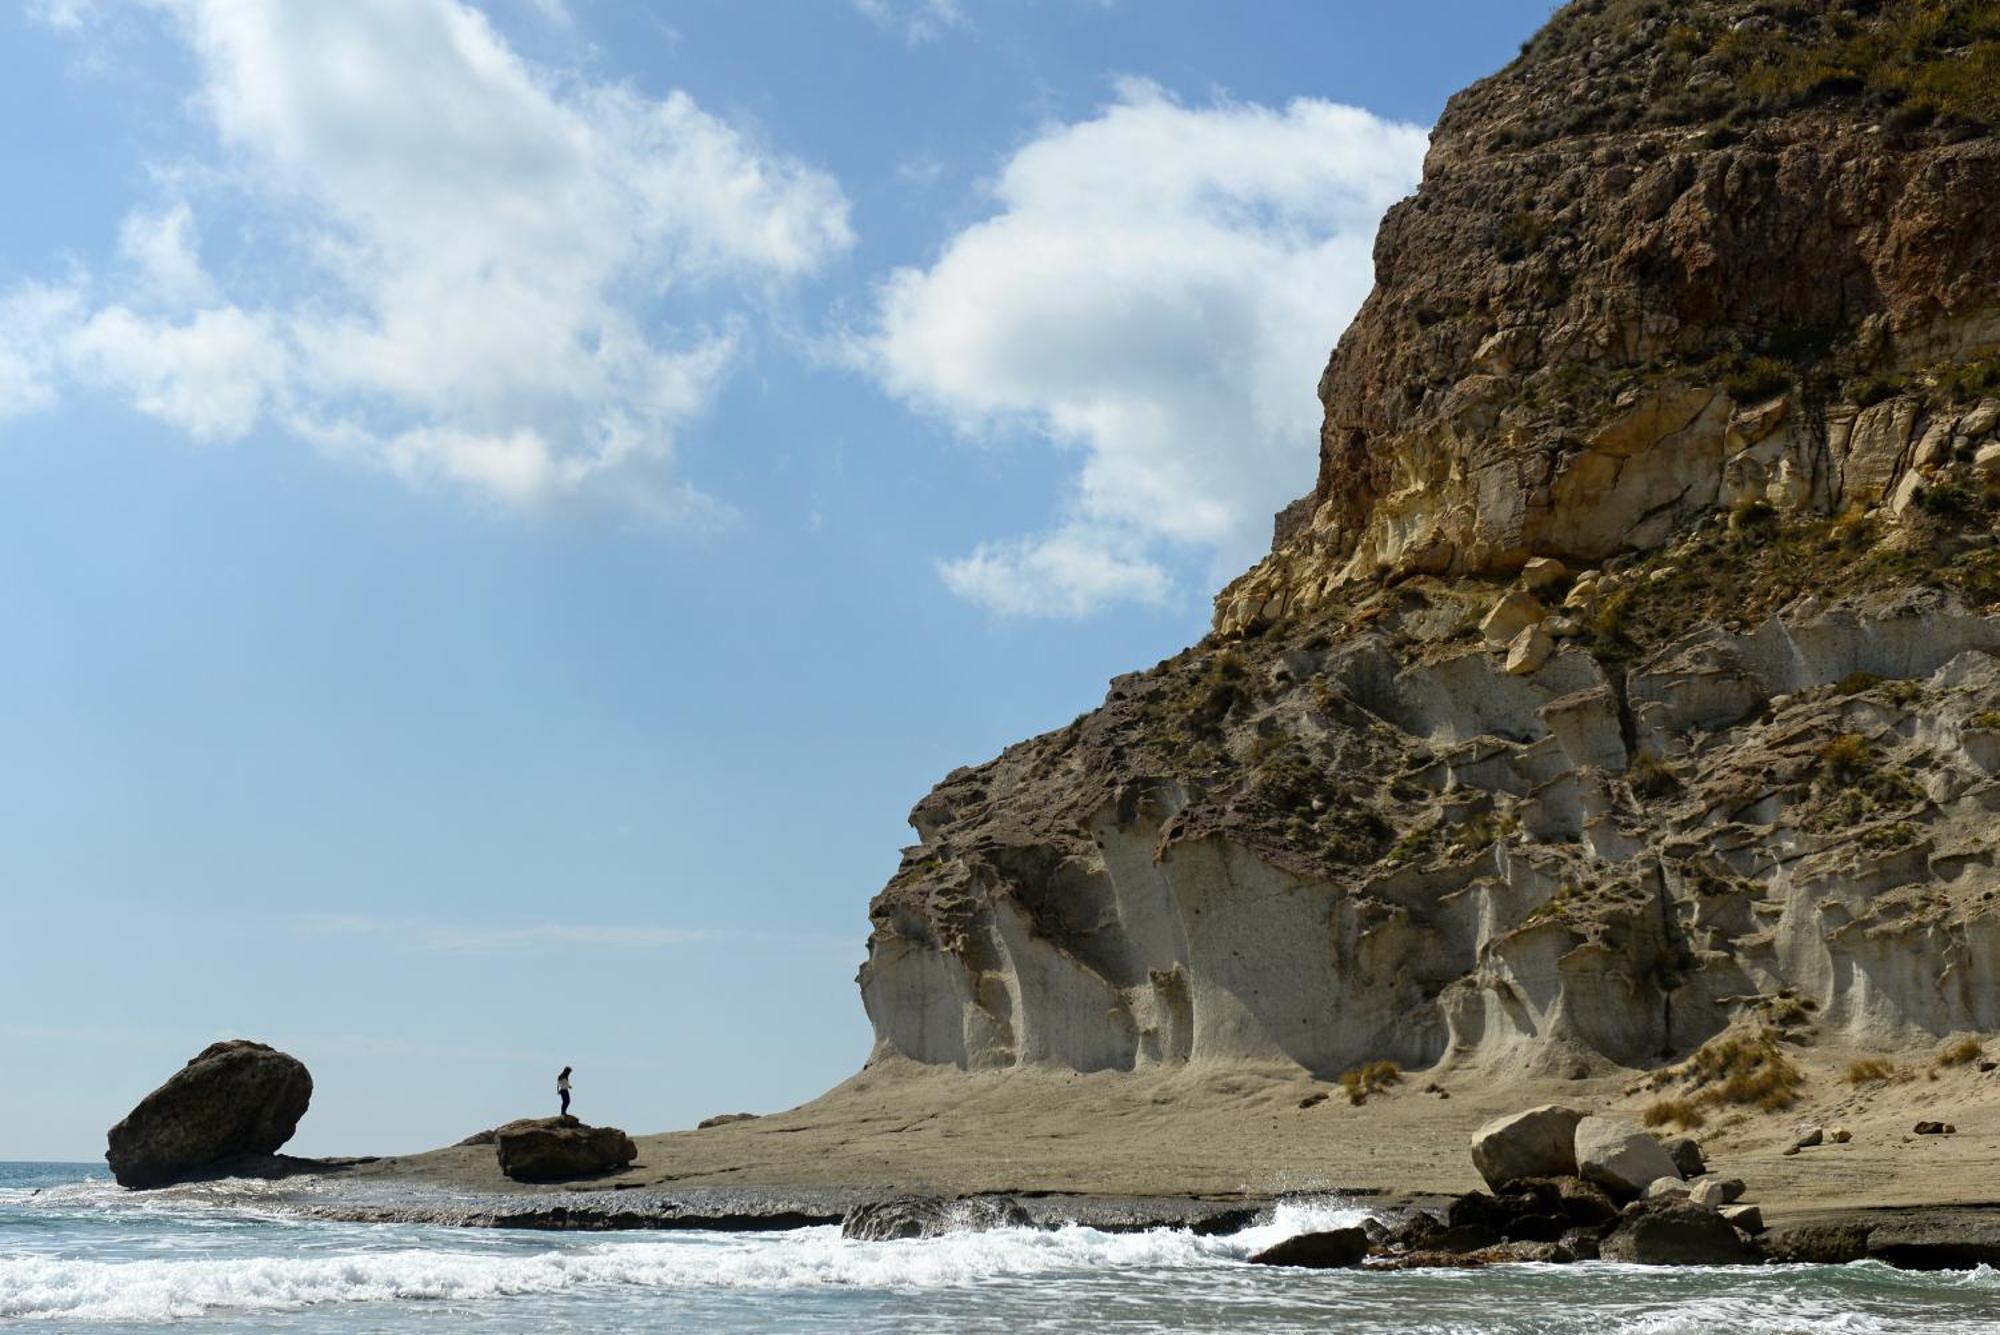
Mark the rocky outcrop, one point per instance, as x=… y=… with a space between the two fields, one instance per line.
x=1674 y=1232
x=233 y=1100
x=1660 y=264
x=1628 y=681
x=931 y=1216
x=560 y=1149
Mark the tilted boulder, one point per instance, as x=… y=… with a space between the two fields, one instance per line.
x=1674 y=1232
x=1537 y=1143
x=931 y=1216
x=234 y=1098
x=1620 y=1155
x=557 y=1149
x=1333 y=1249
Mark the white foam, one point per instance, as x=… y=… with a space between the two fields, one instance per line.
x=156 y=1289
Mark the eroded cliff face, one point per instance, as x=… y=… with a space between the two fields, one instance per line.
x=1713 y=330
x=1667 y=261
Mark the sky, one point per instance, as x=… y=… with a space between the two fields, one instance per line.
x=504 y=507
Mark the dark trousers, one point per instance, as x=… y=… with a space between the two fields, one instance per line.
x=565 y=1098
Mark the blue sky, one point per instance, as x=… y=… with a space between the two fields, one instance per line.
x=503 y=509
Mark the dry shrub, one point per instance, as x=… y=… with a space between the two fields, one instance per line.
x=1962 y=1053
x=1746 y=1069
x=1685 y=1114
x=1870 y=1071
x=1373 y=1078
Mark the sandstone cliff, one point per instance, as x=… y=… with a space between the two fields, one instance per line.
x=1630 y=673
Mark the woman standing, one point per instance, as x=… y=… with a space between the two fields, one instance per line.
x=562 y=1090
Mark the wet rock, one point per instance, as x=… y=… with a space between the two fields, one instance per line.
x=1538 y=1143
x=1463 y=1238
x=1671 y=1232
x=1832 y=1243
x=561 y=1149
x=233 y=1099
x=1331 y=1250
x=1937 y=1240
x=1620 y=1155
x=1685 y=1151
x=933 y=1216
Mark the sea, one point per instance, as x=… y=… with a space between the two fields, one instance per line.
x=77 y=1252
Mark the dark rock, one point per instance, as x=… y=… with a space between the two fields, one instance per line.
x=234 y=1099
x=1665 y=1231
x=1585 y=1202
x=1835 y=1243
x=560 y=1149
x=1535 y=1228
x=1414 y=1233
x=1332 y=1250
x=1377 y=1231
x=1937 y=1240
x=1313 y=1100
x=1935 y=1129
x=1224 y=1222
x=724 y=1119
x=1582 y=1243
x=1475 y=1208
x=1463 y=1238
x=1813 y=1136
x=932 y=1216
x=1685 y=1151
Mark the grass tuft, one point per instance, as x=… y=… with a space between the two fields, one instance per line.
x=1372 y=1078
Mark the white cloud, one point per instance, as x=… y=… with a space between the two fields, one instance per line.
x=1156 y=295
x=493 y=278
x=1070 y=572
x=919 y=21
x=30 y=320
x=162 y=249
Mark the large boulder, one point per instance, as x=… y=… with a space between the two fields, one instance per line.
x=233 y=1099
x=1621 y=1156
x=1667 y=1231
x=557 y=1149
x=931 y=1216
x=1334 y=1249
x=1535 y=1143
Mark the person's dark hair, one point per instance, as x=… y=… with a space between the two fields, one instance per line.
x=565 y=1070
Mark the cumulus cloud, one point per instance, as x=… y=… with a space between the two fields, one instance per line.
x=1155 y=295
x=491 y=277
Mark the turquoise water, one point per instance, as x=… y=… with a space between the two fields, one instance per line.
x=76 y=1252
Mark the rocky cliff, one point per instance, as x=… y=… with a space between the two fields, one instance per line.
x=1630 y=674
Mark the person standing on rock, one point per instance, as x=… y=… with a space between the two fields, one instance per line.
x=562 y=1089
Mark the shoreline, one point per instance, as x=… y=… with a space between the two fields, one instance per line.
x=1205 y=1148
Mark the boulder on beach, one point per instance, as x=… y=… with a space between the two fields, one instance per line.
x=1536 y=1143
x=1621 y=1155
x=558 y=1149
x=1334 y=1249
x=1669 y=1231
x=233 y=1099
x=1685 y=1151
x=909 y=1217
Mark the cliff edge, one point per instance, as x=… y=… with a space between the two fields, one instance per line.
x=1625 y=694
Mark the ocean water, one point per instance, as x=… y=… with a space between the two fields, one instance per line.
x=76 y=1252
